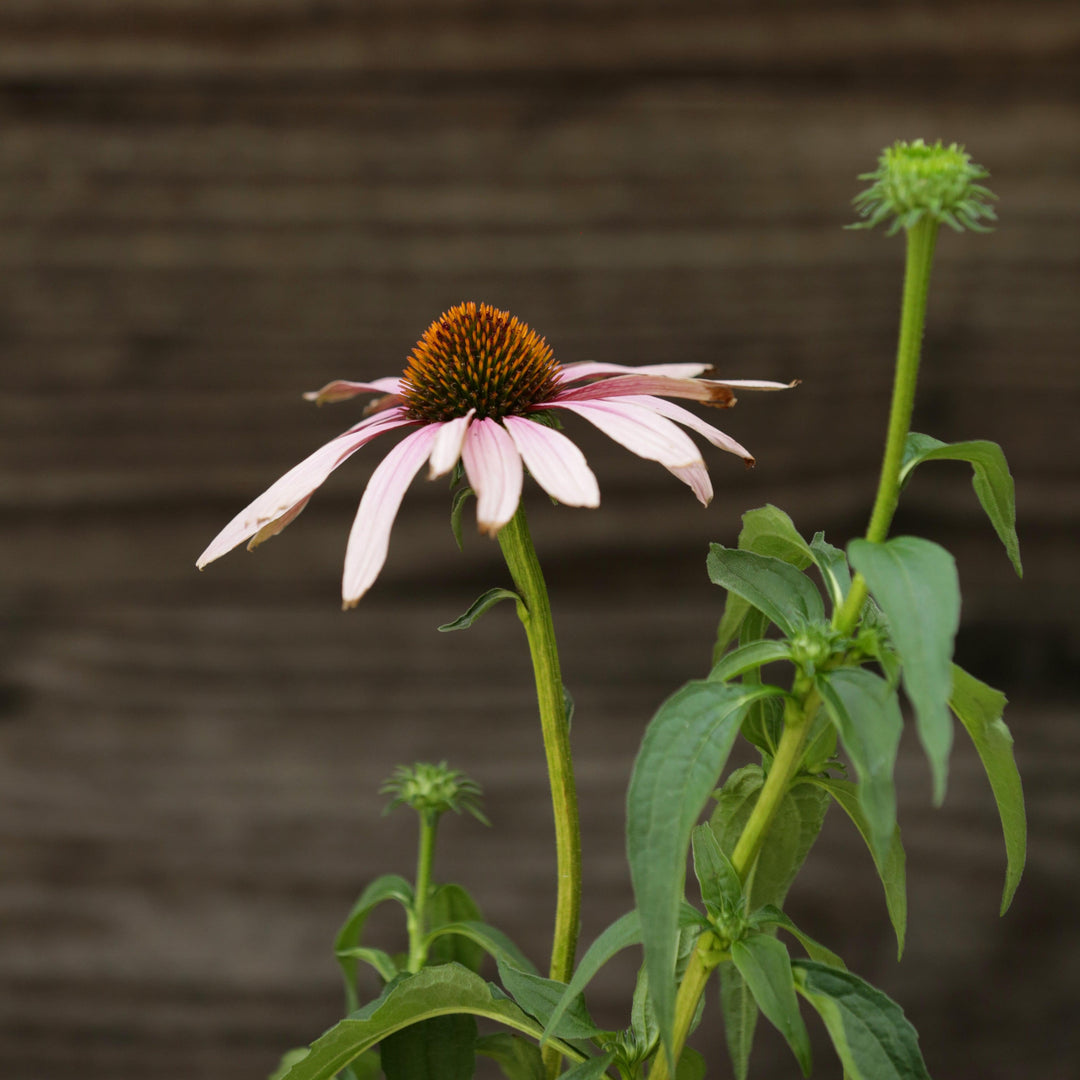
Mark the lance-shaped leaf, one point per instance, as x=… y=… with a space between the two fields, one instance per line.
x=979 y=707
x=749 y=658
x=866 y=713
x=765 y=966
x=774 y=587
x=767 y=530
x=489 y=940
x=539 y=997
x=387 y=887
x=832 y=563
x=593 y=1069
x=891 y=868
x=433 y=991
x=740 y=1014
x=721 y=889
x=992 y=481
x=381 y=961
x=518 y=1059
x=479 y=606
x=449 y=904
x=916 y=585
x=684 y=749
x=871 y=1035
x=440 y=1048
x=770 y=915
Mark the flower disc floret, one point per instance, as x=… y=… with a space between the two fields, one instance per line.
x=477 y=357
x=914 y=180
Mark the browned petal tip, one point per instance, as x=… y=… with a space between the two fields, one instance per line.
x=794 y=383
x=749 y=462
x=721 y=396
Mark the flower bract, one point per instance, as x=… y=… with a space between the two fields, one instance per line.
x=482 y=388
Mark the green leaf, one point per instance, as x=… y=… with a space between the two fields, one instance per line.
x=979 y=708
x=491 y=941
x=381 y=961
x=740 y=1013
x=518 y=1059
x=749 y=658
x=691 y=1065
x=681 y=757
x=735 y=610
x=480 y=605
x=721 y=889
x=833 y=564
x=916 y=585
x=866 y=713
x=871 y=1035
x=387 y=887
x=770 y=915
x=992 y=481
x=798 y=821
x=457 y=510
x=621 y=934
x=592 y=1069
x=433 y=991
x=764 y=964
x=767 y=530
x=288 y=1060
x=451 y=904
x=774 y=587
x=891 y=869
x=442 y=1048
x=539 y=997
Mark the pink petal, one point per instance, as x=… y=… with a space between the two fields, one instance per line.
x=342 y=390
x=286 y=497
x=758 y=384
x=638 y=429
x=369 y=539
x=588 y=369
x=696 y=476
x=278 y=524
x=713 y=393
x=493 y=466
x=447 y=447
x=557 y=465
x=694 y=423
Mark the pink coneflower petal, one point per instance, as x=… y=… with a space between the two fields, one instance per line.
x=556 y=464
x=588 y=369
x=369 y=539
x=447 y=448
x=278 y=524
x=696 y=477
x=758 y=384
x=493 y=467
x=694 y=423
x=286 y=497
x=342 y=390
x=638 y=429
x=712 y=393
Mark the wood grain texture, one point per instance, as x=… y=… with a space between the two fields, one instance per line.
x=207 y=208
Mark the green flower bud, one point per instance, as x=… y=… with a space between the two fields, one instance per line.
x=431 y=790
x=915 y=181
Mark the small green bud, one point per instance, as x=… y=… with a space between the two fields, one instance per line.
x=815 y=645
x=432 y=790
x=914 y=181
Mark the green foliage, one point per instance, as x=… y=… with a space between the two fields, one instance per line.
x=539 y=997
x=871 y=1035
x=916 y=585
x=681 y=756
x=979 y=708
x=518 y=1059
x=784 y=594
x=764 y=964
x=387 y=887
x=749 y=658
x=433 y=790
x=452 y=905
x=833 y=565
x=381 y=961
x=740 y=1014
x=866 y=713
x=891 y=867
x=433 y=991
x=772 y=916
x=721 y=889
x=592 y=1069
x=991 y=479
x=457 y=509
x=767 y=530
x=486 y=939
x=441 y=1048
x=479 y=606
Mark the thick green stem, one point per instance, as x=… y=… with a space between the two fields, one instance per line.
x=417 y=920
x=698 y=970
x=535 y=612
x=921 y=240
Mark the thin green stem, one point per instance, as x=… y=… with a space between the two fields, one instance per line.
x=702 y=962
x=417 y=920
x=535 y=611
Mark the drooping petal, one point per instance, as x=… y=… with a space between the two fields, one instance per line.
x=278 y=524
x=557 y=465
x=638 y=429
x=696 y=477
x=588 y=369
x=694 y=423
x=711 y=393
x=369 y=539
x=493 y=468
x=758 y=384
x=342 y=390
x=285 y=498
x=447 y=448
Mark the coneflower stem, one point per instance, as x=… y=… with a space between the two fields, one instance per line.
x=535 y=611
x=417 y=919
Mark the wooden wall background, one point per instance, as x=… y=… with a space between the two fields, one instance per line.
x=209 y=206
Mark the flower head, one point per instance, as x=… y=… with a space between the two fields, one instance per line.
x=914 y=180
x=433 y=789
x=481 y=388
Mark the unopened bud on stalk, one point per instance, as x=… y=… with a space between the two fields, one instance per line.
x=431 y=790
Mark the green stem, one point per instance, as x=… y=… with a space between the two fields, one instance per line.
x=921 y=240
x=535 y=613
x=702 y=962
x=417 y=920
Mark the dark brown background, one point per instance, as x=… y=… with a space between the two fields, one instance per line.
x=209 y=207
